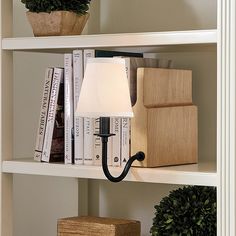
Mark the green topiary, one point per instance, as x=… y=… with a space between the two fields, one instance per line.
x=190 y=211
x=78 y=6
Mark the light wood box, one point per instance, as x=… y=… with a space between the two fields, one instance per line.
x=97 y=226
x=165 y=124
x=166 y=87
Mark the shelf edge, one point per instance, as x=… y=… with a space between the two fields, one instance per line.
x=112 y=40
x=166 y=175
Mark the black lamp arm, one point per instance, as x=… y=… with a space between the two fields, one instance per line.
x=105 y=134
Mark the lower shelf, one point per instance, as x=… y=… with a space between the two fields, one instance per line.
x=195 y=174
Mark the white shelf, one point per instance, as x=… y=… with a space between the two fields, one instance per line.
x=195 y=174
x=112 y=40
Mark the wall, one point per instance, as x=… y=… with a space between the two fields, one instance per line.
x=153 y=15
x=39 y=201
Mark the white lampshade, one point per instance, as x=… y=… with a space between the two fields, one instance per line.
x=105 y=89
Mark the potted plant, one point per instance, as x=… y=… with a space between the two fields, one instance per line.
x=190 y=211
x=57 y=17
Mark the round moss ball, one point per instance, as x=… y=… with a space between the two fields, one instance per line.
x=188 y=211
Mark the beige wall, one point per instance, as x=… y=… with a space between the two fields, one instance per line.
x=39 y=201
x=116 y=16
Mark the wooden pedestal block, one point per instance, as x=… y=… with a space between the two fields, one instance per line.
x=172 y=136
x=165 y=132
x=97 y=226
x=166 y=87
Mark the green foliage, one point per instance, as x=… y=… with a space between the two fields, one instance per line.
x=190 y=211
x=77 y=6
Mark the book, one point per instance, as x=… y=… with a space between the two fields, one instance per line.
x=109 y=147
x=115 y=140
x=53 y=147
x=124 y=135
x=108 y=53
x=88 y=141
x=97 y=160
x=88 y=53
x=125 y=140
x=88 y=123
x=125 y=124
x=69 y=108
x=78 y=121
x=43 y=114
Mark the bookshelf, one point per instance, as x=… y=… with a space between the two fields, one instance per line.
x=218 y=170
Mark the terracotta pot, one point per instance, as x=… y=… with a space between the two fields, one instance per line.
x=57 y=23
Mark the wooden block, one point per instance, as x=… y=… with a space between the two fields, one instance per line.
x=97 y=226
x=167 y=135
x=167 y=87
x=135 y=63
x=172 y=136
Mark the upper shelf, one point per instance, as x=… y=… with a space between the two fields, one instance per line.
x=195 y=174
x=112 y=40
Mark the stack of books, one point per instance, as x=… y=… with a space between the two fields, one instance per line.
x=64 y=137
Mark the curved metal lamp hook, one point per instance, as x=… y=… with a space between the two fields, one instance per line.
x=105 y=134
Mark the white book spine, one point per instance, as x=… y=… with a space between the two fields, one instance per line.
x=88 y=122
x=88 y=141
x=97 y=155
x=78 y=121
x=127 y=68
x=43 y=114
x=116 y=129
x=125 y=139
x=109 y=147
x=125 y=125
x=57 y=78
x=68 y=106
x=88 y=53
